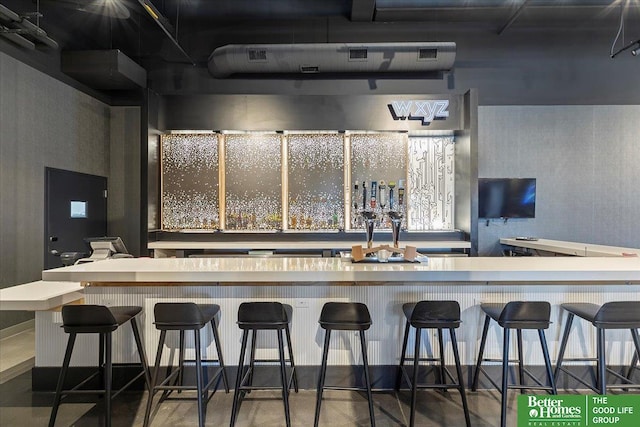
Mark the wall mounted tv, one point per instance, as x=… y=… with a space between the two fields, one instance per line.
x=506 y=198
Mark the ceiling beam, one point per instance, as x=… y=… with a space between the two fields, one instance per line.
x=362 y=10
x=514 y=16
x=164 y=25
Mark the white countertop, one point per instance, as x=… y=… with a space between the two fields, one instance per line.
x=283 y=270
x=571 y=248
x=306 y=244
x=40 y=295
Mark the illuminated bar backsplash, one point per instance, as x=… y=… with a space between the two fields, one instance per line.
x=379 y=157
x=253 y=182
x=316 y=182
x=314 y=187
x=190 y=182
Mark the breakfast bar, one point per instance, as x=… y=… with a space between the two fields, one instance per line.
x=307 y=283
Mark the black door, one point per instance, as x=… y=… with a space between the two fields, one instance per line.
x=75 y=208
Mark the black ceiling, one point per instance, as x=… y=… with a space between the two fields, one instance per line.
x=199 y=26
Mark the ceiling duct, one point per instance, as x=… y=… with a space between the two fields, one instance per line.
x=413 y=57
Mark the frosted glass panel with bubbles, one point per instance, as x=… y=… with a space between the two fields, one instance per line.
x=253 y=182
x=430 y=183
x=376 y=157
x=316 y=179
x=190 y=182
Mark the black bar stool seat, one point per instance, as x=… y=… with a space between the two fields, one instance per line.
x=611 y=315
x=253 y=317
x=432 y=315
x=102 y=320
x=518 y=315
x=344 y=316
x=186 y=316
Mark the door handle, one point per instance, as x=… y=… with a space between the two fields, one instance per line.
x=53 y=238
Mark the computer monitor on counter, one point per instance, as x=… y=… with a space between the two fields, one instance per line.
x=105 y=248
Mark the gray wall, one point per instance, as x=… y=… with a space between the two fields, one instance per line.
x=123 y=207
x=585 y=159
x=42 y=123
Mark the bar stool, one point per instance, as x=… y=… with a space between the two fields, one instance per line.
x=516 y=315
x=186 y=316
x=260 y=316
x=344 y=316
x=611 y=315
x=432 y=315
x=97 y=319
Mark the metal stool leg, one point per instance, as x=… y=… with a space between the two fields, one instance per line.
x=505 y=377
x=402 y=355
x=107 y=379
x=199 y=379
x=252 y=357
x=367 y=377
x=602 y=368
x=443 y=378
x=520 y=359
x=636 y=354
x=563 y=345
x=463 y=395
x=181 y=360
x=216 y=339
x=293 y=366
x=63 y=374
x=321 y=377
x=154 y=381
x=237 y=392
x=141 y=353
x=547 y=361
x=414 y=381
x=483 y=341
x=283 y=375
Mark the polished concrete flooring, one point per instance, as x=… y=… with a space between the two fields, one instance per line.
x=19 y=406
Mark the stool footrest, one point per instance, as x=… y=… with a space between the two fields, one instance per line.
x=335 y=387
x=408 y=379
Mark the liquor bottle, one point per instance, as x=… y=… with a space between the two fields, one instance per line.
x=392 y=185
x=354 y=214
x=401 y=195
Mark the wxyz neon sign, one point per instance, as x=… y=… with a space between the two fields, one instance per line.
x=427 y=111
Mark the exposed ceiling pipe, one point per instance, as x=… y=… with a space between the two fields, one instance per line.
x=407 y=57
x=16 y=27
x=164 y=25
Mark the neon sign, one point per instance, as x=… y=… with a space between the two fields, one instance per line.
x=424 y=110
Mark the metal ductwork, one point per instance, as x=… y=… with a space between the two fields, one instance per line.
x=414 y=57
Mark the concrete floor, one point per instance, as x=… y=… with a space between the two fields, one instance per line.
x=19 y=406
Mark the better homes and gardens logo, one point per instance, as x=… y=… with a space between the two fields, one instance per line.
x=579 y=411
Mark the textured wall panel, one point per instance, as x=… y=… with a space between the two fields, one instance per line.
x=585 y=161
x=43 y=123
x=384 y=338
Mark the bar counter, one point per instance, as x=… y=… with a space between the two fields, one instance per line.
x=307 y=283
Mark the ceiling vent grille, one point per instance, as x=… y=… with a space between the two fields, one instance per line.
x=358 y=54
x=371 y=58
x=425 y=54
x=257 y=55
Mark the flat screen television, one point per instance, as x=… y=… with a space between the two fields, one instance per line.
x=506 y=198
